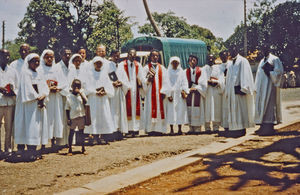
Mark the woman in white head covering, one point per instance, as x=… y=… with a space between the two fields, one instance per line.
x=99 y=88
x=78 y=72
x=31 y=117
x=176 y=106
x=56 y=83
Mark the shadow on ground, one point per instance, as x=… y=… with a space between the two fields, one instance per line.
x=256 y=164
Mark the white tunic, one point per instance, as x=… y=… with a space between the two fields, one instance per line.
x=268 y=103
x=118 y=102
x=156 y=124
x=31 y=125
x=241 y=107
x=196 y=113
x=18 y=66
x=102 y=121
x=55 y=109
x=224 y=122
x=134 y=123
x=213 y=98
x=8 y=76
x=177 y=109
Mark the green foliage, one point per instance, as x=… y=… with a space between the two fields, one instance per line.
x=72 y=23
x=110 y=28
x=177 y=27
x=277 y=27
x=13 y=47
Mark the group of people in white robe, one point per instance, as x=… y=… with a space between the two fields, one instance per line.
x=49 y=101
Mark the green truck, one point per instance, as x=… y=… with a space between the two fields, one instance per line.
x=168 y=47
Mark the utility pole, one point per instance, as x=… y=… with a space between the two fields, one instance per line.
x=152 y=21
x=245 y=29
x=3 y=33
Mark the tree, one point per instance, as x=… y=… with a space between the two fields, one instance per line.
x=110 y=27
x=277 y=27
x=70 y=23
x=177 y=27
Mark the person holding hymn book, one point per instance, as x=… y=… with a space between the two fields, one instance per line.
x=133 y=97
x=213 y=98
x=56 y=83
x=76 y=113
x=31 y=126
x=9 y=85
x=267 y=83
x=157 y=87
x=197 y=81
x=121 y=84
x=99 y=89
x=239 y=92
x=176 y=106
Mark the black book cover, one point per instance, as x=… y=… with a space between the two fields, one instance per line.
x=113 y=76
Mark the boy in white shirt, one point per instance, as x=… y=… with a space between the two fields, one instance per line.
x=76 y=113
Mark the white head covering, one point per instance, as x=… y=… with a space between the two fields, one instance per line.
x=46 y=51
x=174 y=58
x=29 y=57
x=73 y=57
x=97 y=59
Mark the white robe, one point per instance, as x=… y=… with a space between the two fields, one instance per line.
x=102 y=121
x=156 y=124
x=224 y=122
x=31 y=122
x=268 y=103
x=65 y=92
x=55 y=109
x=118 y=101
x=241 y=107
x=18 y=66
x=196 y=114
x=213 y=98
x=134 y=124
x=177 y=109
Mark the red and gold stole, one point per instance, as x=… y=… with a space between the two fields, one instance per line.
x=197 y=94
x=128 y=95
x=153 y=94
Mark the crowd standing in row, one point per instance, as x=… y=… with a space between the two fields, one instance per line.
x=41 y=100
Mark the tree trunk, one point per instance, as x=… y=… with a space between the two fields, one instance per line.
x=152 y=21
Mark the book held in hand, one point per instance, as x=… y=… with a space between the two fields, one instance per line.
x=9 y=88
x=113 y=76
x=52 y=83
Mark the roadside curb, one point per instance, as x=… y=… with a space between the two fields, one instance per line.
x=143 y=173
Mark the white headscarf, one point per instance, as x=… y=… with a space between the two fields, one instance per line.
x=30 y=57
x=73 y=57
x=174 y=74
x=42 y=61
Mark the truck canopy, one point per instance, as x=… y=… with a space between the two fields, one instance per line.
x=170 y=47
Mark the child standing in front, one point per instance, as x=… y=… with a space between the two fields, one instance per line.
x=76 y=113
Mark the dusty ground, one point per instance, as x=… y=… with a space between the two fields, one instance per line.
x=259 y=166
x=57 y=172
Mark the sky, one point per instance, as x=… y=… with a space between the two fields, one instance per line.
x=219 y=16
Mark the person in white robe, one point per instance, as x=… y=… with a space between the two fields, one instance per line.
x=56 y=83
x=31 y=116
x=213 y=98
x=177 y=108
x=9 y=85
x=157 y=89
x=135 y=74
x=66 y=67
x=99 y=89
x=77 y=72
x=226 y=63
x=267 y=83
x=101 y=52
x=197 y=81
x=121 y=84
x=85 y=65
x=18 y=64
x=239 y=92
